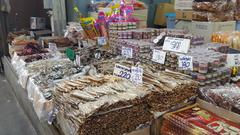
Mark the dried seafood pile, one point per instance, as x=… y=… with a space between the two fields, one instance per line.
x=100 y=105
x=170 y=89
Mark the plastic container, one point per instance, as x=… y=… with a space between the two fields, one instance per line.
x=171 y=18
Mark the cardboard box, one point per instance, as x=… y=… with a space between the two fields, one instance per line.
x=219 y=111
x=206 y=29
x=37 y=23
x=233 y=117
x=162 y=9
x=183 y=4
x=184 y=25
x=184 y=15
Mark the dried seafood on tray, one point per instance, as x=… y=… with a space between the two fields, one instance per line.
x=101 y=105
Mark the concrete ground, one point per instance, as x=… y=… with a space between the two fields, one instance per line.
x=13 y=121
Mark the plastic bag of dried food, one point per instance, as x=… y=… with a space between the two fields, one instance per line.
x=216 y=6
x=227 y=97
x=213 y=17
x=221 y=16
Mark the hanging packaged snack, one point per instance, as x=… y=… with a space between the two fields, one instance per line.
x=88 y=26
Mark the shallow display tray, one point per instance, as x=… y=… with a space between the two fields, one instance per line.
x=42 y=128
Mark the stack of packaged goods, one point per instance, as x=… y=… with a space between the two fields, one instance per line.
x=230 y=38
x=214 y=11
x=209 y=65
x=198 y=121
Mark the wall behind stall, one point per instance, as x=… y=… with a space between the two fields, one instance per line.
x=22 y=10
x=82 y=5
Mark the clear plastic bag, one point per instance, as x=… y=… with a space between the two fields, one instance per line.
x=227 y=97
x=213 y=17
x=216 y=6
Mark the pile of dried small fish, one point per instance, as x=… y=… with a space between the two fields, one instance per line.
x=101 y=105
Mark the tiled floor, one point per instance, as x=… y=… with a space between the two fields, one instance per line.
x=13 y=121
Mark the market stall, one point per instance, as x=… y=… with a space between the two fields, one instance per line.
x=111 y=75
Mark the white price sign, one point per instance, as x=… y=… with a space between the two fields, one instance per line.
x=122 y=71
x=233 y=60
x=78 y=60
x=185 y=62
x=137 y=75
x=52 y=47
x=102 y=41
x=127 y=52
x=180 y=45
x=159 y=56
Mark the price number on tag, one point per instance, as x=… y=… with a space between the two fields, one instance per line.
x=180 y=45
x=159 y=56
x=102 y=41
x=137 y=75
x=52 y=47
x=122 y=71
x=185 y=62
x=127 y=52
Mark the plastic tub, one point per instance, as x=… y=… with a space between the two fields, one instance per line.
x=171 y=18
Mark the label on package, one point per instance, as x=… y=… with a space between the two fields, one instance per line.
x=233 y=60
x=102 y=41
x=122 y=71
x=127 y=52
x=137 y=75
x=179 y=45
x=159 y=56
x=185 y=62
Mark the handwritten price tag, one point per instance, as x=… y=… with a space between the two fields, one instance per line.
x=185 y=62
x=159 y=56
x=233 y=60
x=78 y=60
x=137 y=75
x=52 y=47
x=180 y=45
x=122 y=71
x=127 y=52
x=102 y=41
